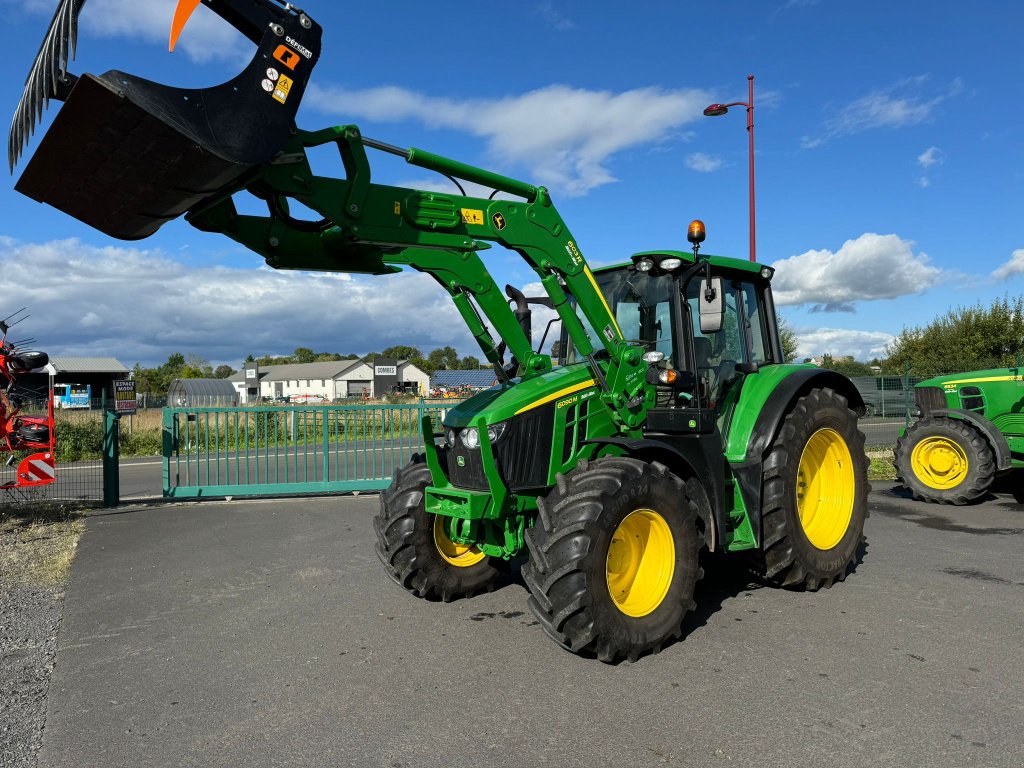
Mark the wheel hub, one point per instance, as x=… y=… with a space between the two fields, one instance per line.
x=826 y=487
x=641 y=562
x=939 y=463
x=459 y=555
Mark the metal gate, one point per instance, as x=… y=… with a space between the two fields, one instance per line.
x=278 y=450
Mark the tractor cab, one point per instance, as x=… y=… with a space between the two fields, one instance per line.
x=699 y=350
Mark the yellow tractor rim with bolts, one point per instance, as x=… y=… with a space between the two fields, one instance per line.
x=641 y=561
x=459 y=555
x=939 y=463
x=826 y=486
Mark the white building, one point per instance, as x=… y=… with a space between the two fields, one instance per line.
x=330 y=381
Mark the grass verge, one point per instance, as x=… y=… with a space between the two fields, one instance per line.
x=38 y=543
x=881 y=466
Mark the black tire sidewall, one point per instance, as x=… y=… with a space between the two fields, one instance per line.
x=660 y=496
x=971 y=441
x=836 y=416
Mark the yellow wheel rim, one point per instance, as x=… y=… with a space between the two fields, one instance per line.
x=825 y=488
x=459 y=555
x=641 y=561
x=939 y=463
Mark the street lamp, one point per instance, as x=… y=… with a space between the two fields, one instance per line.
x=715 y=110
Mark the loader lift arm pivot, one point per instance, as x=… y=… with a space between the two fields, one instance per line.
x=373 y=228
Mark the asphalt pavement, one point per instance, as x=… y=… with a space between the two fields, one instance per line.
x=265 y=633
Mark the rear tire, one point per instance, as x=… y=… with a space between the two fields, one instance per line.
x=414 y=549
x=945 y=461
x=614 y=558
x=814 y=495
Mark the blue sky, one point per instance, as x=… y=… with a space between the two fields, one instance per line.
x=889 y=161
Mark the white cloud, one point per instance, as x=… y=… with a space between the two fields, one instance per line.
x=140 y=306
x=868 y=268
x=703 y=163
x=547 y=12
x=564 y=136
x=923 y=181
x=901 y=104
x=1015 y=266
x=839 y=342
x=931 y=156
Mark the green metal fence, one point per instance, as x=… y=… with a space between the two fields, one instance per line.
x=287 y=449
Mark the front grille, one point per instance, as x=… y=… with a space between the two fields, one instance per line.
x=929 y=398
x=522 y=456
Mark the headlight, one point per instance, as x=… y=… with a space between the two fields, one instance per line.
x=495 y=431
x=449 y=437
x=470 y=438
x=645 y=264
x=670 y=263
x=654 y=357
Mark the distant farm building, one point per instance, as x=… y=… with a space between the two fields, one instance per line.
x=328 y=382
x=201 y=392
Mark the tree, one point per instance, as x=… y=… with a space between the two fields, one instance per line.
x=402 y=352
x=963 y=339
x=445 y=357
x=848 y=366
x=223 y=371
x=303 y=355
x=469 y=363
x=790 y=343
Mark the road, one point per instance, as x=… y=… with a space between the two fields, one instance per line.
x=265 y=633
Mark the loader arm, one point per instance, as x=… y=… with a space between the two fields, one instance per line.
x=370 y=228
x=126 y=155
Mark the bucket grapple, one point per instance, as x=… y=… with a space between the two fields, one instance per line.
x=125 y=154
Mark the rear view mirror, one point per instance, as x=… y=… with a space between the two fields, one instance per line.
x=712 y=305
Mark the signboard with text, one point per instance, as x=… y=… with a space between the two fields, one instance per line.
x=124 y=396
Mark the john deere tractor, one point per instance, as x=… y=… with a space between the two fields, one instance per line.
x=971 y=429
x=670 y=425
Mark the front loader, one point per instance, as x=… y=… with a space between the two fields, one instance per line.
x=670 y=426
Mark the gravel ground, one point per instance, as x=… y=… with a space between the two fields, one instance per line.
x=34 y=560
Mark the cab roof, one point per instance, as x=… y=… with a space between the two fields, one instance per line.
x=723 y=262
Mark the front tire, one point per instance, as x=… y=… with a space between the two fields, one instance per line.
x=414 y=548
x=944 y=460
x=614 y=558
x=814 y=494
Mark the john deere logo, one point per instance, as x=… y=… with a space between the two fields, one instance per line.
x=460 y=460
x=499 y=221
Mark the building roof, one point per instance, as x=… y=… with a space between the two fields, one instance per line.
x=328 y=370
x=473 y=378
x=201 y=388
x=87 y=365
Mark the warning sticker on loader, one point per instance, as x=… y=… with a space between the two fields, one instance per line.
x=472 y=216
x=284 y=87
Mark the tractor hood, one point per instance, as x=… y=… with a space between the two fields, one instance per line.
x=955 y=380
x=520 y=396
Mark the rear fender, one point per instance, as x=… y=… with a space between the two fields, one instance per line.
x=749 y=440
x=991 y=432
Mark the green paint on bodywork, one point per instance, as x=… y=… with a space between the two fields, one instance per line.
x=757 y=388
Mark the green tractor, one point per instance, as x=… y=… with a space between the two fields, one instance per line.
x=670 y=426
x=971 y=429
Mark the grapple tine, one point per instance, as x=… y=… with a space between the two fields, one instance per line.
x=48 y=69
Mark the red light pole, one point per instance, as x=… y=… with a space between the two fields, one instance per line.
x=720 y=109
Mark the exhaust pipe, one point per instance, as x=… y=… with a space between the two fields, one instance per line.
x=126 y=155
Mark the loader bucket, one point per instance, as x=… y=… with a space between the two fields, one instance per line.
x=125 y=155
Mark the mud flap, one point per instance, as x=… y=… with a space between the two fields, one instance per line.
x=125 y=155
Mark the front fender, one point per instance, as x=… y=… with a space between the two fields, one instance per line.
x=991 y=432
